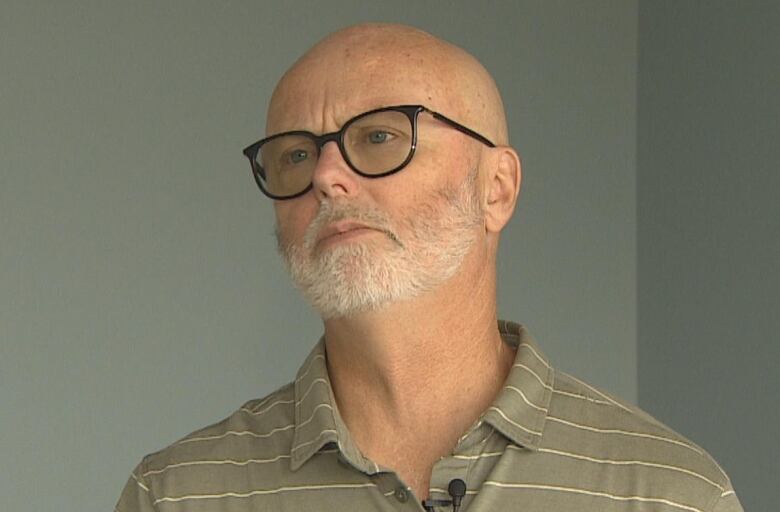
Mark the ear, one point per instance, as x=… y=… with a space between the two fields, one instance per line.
x=502 y=187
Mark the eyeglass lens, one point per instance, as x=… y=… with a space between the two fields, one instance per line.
x=373 y=144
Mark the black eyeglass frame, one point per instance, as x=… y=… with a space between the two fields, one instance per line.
x=412 y=112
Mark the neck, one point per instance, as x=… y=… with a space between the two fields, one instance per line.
x=431 y=364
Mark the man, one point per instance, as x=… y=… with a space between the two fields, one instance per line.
x=392 y=178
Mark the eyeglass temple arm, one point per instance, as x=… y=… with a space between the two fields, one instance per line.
x=463 y=129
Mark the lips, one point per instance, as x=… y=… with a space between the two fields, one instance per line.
x=338 y=228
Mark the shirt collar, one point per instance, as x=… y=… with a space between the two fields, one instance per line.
x=317 y=419
x=518 y=412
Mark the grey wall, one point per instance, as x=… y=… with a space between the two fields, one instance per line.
x=140 y=295
x=709 y=220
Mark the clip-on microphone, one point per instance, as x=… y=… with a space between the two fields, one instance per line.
x=456 y=489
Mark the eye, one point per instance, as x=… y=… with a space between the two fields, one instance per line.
x=379 y=136
x=297 y=156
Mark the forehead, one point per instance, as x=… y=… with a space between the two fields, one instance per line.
x=320 y=94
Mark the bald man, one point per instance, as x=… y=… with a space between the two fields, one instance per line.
x=388 y=164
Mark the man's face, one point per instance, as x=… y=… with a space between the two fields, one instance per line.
x=421 y=222
x=400 y=258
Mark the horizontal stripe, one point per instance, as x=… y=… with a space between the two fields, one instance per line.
x=529 y=370
x=215 y=463
x=533 y=350
x=258 y=412
x=595 y=460
x=263 y=402
x=478 y=456
x=461 y=457
x=602 y=395
x=592 y=493
x=261 y=492
x=313 y=413
x=581 y=397
x=307 y=443
x=525 y=399
x=621 y=432
x=140 y=483
x=308 y=369
x=468 y=432
x=236 y=433
x=631 y=463
x=526 y=429
x=311 y=385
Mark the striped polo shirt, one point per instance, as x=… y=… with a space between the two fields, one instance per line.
x=549 y=442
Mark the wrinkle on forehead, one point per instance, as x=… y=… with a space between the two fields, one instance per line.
x=373 y=65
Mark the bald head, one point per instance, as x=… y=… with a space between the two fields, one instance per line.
x=369 y=66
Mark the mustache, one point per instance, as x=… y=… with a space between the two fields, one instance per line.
x=331 y=211
x=336 y=211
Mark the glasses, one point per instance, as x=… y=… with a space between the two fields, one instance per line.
x=374 y=144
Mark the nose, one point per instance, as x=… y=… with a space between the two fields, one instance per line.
x=332 y=176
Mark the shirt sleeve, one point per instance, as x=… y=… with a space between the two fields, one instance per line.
x=136 y=495
x=728 y=502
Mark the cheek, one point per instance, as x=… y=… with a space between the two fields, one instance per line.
x=292 y=219
x=433 y=169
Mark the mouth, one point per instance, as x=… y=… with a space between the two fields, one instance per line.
x=342 y=231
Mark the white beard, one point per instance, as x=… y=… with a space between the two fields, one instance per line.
x=354 y=277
